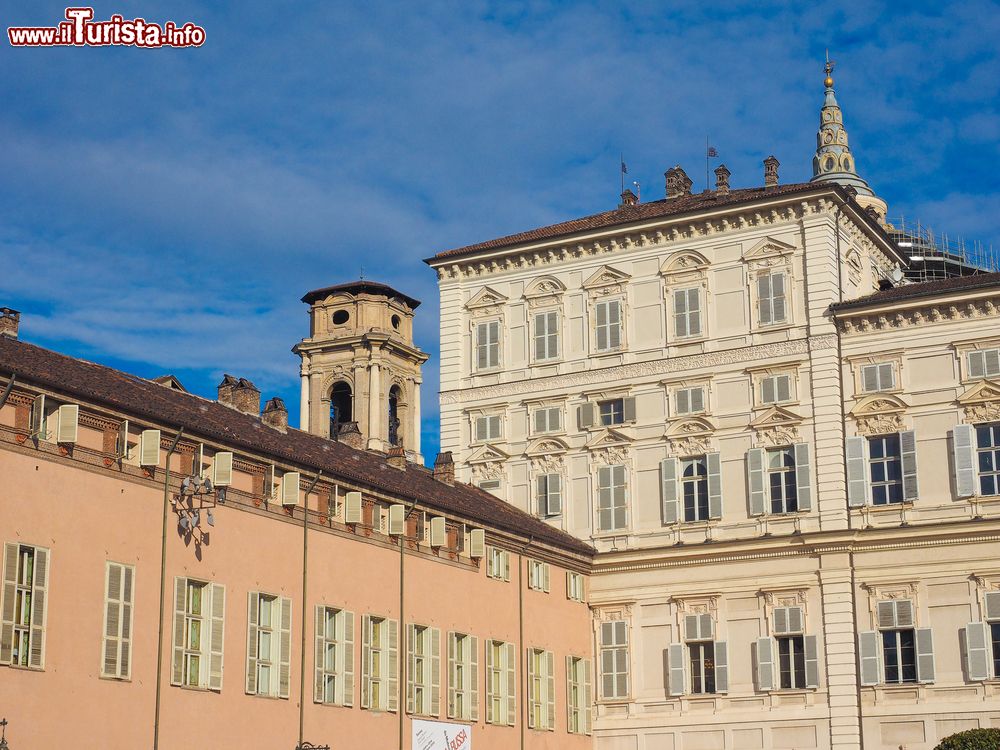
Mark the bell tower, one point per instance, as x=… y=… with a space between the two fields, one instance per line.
x=360 y=365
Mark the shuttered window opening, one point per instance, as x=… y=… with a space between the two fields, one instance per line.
x=782 y=487
x=771 y=300
x=984 y=363
x=787 y=662
x=116 y=644
x=541 y=690
x=501 y=683
x=24 y=610
x=689 y=400
x=982 y=642
x=775 y=389
x=463 y=677
x=379 y=663
x=547 y=419
x=423 y=674
x=878 y=377
x=334 y=657
x=548 y=495
x=546 y=336
x=269 y=633
x=885 y=469
x=488 y=345
x=538 y=575
x=907 y=652
x=612 y=501
x=988 y=455
x=612 y=411
x=199 y=632
x=707 y=659
x=687 y=312
x=488 y=427
x=574 y=586
x=497 y=563
x=614 y=660
x=578 y=695
x=608 y=319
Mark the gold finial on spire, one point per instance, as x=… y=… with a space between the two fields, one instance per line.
x=828 y=82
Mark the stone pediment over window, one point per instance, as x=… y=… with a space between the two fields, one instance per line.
x=776 y=426
x=486 y=300
x=487 y=454
x=546 y=446
x=606 y=280
x=544 y=289
x=609 y=447
x=607 y=438
x=879 y=414
x=682 y=265
x=690 y=437
x=768 y=248
x=981 y=402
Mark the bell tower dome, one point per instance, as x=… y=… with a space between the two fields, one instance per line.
x=360 y=365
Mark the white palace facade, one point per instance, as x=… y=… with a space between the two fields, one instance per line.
x=787 y=457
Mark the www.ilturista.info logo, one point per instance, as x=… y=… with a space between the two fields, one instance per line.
x=80 y=30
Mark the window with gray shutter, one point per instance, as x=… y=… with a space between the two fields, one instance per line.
x=614 y=660
x=976 y=639
x=984 y=363
x=755 y=481
x=925 y=654
x=488 y=345
x=549 y=495
x=868 y=648
x=908 y=460
x=612 y=500
x=546 y=336
x=608 y=316
x=775 y=389
x=714 y=462
x=687 y=312
x=963 y=460
x=857 y=471
x=669 y=490
x=764 y=659
x=689 y=400
x=803 y=476
x=812 y=661
x=721 y=667
x=586 y=415
x=677 y=669
x=771 y=298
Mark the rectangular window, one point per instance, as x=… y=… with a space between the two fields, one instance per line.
x=574 y=586
x=775 y=389
x=488 y=345
x=547 y=419
x=541 y=689
x=199 y=619
x=578 y=695
x=194 y=628
x=879 y=377
x=488 y=427
x=694 y=486
x=538 y=575
x=379 y=663
x=497 y=563
x=771 y=298
x=702 y=664
x=612 y=411
x=334 y=657
x=463 y=681
x=546 y=336
x=885 y=469
x=548 y=495
x=689 y=400
x=899 y=655
x=116 y=654
x=781 y=481
x=611 y=498
x=988 y=458
x=269 y=643
x=22 y=637
x=614 y=660
x=687 y=312
x=791 y=661
x=423 y=681
x=608 y=316
x=500 y=683
x=490 y=485
x=995 y=638
x=984 y=363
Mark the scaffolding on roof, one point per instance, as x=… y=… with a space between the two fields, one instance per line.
x=937 y=256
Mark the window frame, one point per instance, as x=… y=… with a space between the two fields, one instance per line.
x=552 y=338
x=687 y=314
x=549 y=410
x=759 y=299
x=616 y=654
x=597 y=326
x=987 y=454
x=544 y=494
x=612 y=506
x=478 y=326
x=699 y=482
x=891 y=486
x=489 y=419
x=786 y=472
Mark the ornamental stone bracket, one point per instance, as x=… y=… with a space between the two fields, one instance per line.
x=879 y=414
x=981 y=402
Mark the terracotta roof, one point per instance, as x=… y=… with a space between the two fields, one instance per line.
x=208 y=419
x=359 y=287
x=922 y=289
x=640 y=212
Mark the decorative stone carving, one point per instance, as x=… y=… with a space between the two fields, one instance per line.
x=878 y=415
x=981 y=402
x=851 y=323
x=614 y=612
x=487 y=471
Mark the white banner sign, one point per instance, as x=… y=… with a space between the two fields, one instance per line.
x=441 y=735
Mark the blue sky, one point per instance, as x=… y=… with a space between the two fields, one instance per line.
x=164 y=210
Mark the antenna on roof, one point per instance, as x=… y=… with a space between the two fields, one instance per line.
x=361 y=276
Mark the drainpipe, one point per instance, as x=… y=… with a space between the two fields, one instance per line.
x=305 y=611
x=520 y=636
x=163 y=584
x=401 y=683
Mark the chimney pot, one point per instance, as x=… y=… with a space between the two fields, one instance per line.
x=628 y=198
x=226 y=389
x=350 y=435
x=396 y=457
x=678 y=183
x=276 y=414
x=9 y=321
x=444 y=468
x=722 y=180
x=771 y=171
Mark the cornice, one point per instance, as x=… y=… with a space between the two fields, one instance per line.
x=909 y=313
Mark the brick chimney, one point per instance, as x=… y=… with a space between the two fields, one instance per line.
x=9 y=320
x=771 y=171
x=276 y=414
x=350 y=435
x=396 y=457
x=444 y=468
x=678 y=183
x=628 y=199
x=246 y=397
x=226 y=389
x=722 y=180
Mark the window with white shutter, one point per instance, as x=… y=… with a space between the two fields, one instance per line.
x=487 y=345
x=546 y=336
x=497 y=563
x=547 y=419
x=269 y=628
x=501 y=683
x=423 y=674
x=771 y=300
x=463 y=677
x=538 y=575
x=116 y=651
x=548 y=495
x=608 y=328
x=541 y=689
x=334 y=667
x=687 y=312
x=25 y=585
x=614 y=660
x=689 y=400
x=984 y=363
x=574 y=586
x=775 y=389
x=488 y=427
x=578 y=695
x=379 y=663
x=612 y=508
x=878 y=377
x=198 y=633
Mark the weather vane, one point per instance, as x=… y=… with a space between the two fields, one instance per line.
x=829 y=70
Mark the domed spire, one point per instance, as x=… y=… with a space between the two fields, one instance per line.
x=833 y=161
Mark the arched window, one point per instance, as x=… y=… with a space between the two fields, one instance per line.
x=394 y=396
x=341 y=406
